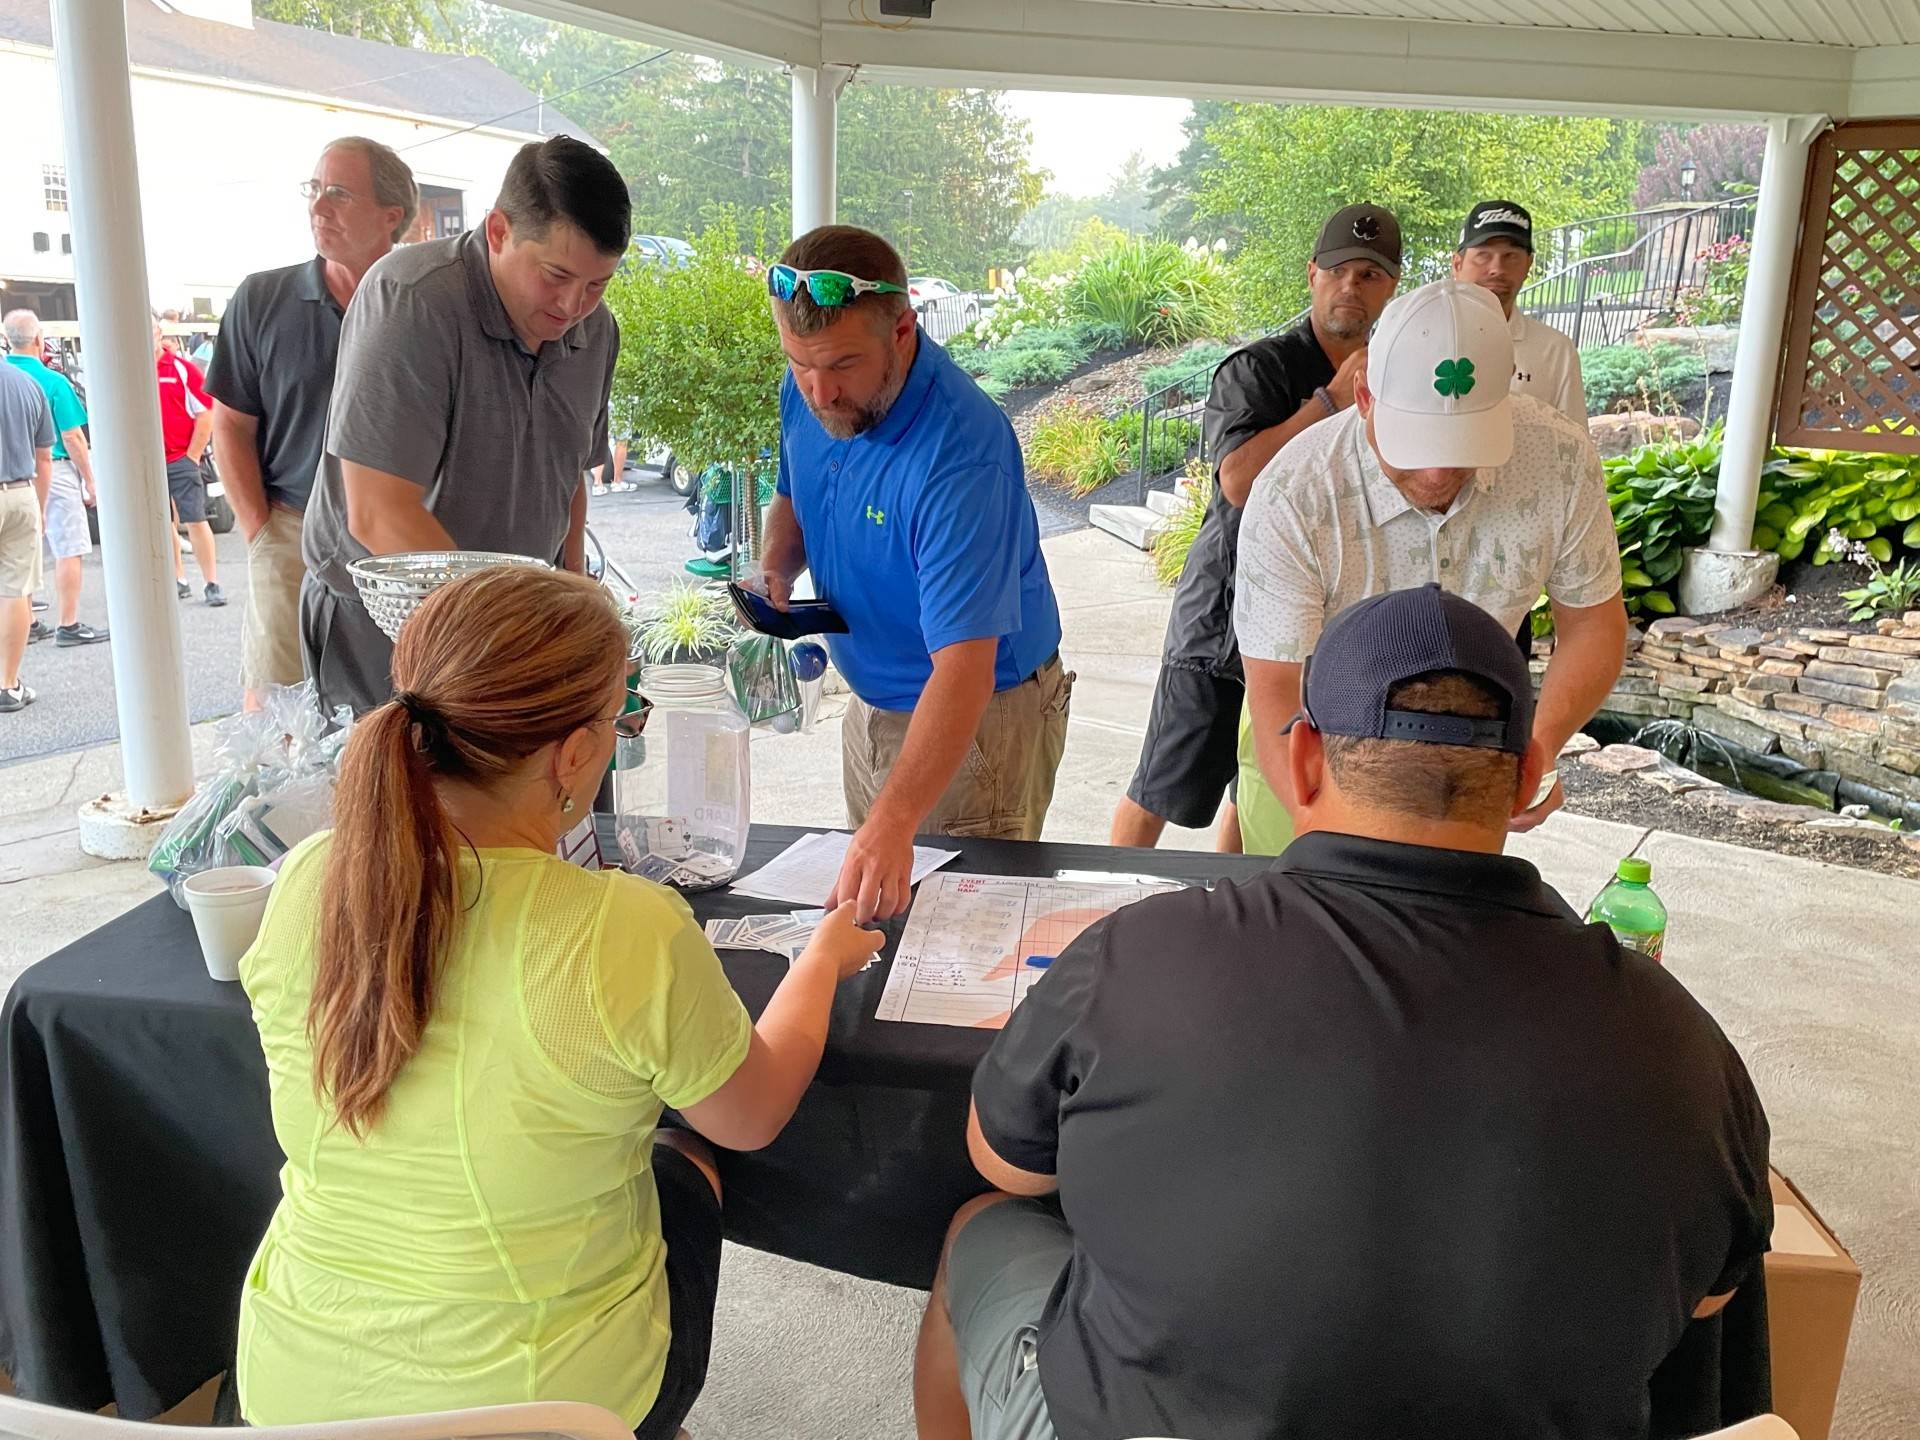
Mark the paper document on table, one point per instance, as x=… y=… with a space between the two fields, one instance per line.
x=964 y=955
x=805 y=871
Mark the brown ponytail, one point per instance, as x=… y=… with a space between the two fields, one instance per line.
x=490 y=669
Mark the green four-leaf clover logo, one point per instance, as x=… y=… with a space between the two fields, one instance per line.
x=1453 y=377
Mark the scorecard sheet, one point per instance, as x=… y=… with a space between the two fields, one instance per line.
x=963 y=955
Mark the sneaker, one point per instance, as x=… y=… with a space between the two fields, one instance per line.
x=182 y=589
x=18 y=698
x=36 y=632
x=215 y=596
x=79 y=633
x=39 y=606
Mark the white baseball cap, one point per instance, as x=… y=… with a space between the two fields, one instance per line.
x=1440 y=366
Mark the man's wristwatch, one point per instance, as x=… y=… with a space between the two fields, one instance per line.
x=1325 y=397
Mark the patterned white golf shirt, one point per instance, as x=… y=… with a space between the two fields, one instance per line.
x=1326 y=527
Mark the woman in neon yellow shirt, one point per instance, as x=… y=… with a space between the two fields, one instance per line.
x=469 y=1043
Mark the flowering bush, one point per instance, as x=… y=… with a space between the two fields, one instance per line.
x=1031 y=304
x=1890 y=590
x=1718 y=300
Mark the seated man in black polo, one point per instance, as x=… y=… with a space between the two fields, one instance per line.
x=1385 y=1143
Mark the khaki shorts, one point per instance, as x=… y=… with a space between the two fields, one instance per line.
x=1004 y=786
x=270 y=640
x=19 y=541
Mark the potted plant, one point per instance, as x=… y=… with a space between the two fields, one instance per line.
x=690 y=624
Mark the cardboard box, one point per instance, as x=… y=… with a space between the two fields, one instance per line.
x=1812 y=1284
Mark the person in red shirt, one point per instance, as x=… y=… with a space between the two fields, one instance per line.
x=186 y=425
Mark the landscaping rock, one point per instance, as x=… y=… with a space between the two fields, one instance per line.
x=1810 y=756
x=1905 y=694
x=1842 y=674
x=1889 y=644
x=1731 y=727
x=1579 y=743
x=1862 y=659
x=1866 y=828
x=1635 y=705
x=1881 y=777
x=1903 y=758
x=1671 y=625
x=1624 y=759
x=1671 y=685
x=1800 y=704
x=1716 y=345
x=1091 y=384
x=1827 y=637
x=1766 y=719
x=1622 y=434
x=1848 y=717
x=1858 y=695
x=1676 y=779
x=1743 y=639
x=1633 y=685
x=1782 y=667
x=1765 y=681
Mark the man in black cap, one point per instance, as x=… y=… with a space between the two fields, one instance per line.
x=1384 y=1142
x=1496 y=253
x=1262 y=396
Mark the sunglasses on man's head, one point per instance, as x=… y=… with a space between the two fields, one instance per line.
x=826 y=288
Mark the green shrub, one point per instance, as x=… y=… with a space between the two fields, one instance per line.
x=1064 y=339
x=1099 y=335
x=1662 y=502
x=1194 y=366
x=1077 y=448
x=1035 y=305
x=1642 y=374
x=1036 y=366
x=1175 y=540
x=1168 y=440
x=995 y=389
x=700 y=360
x=1154 y=292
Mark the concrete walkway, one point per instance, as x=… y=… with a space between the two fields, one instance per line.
x=1810 y=969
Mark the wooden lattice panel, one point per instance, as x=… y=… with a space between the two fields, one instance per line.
x=1852 y=376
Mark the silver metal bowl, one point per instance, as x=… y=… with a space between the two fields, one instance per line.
x=392 y=586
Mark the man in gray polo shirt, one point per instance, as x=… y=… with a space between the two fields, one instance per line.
x=26 y=473
x=469 y=401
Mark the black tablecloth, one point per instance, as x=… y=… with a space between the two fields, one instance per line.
x=138 y=1167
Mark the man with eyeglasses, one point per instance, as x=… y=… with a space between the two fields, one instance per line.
x=469 y=403
x=271 y=379
x=901 y=488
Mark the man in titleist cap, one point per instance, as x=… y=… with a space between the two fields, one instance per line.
x=1386 y=1187
x=1441 y=475
x=1496 y=253
x=1261 y=397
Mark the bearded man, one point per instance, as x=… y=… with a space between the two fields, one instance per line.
x=902 y=490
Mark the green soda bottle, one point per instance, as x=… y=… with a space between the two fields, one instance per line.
x=1632 y=911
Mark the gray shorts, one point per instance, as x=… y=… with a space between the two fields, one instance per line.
x=1000 y=1272
x=188 y=490
x=67 y=535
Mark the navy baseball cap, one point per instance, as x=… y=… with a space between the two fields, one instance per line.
x=1498 y=219
x=1374 y=644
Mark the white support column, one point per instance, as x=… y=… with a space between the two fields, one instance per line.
x=110 y=273
x=816 y=99
x=1763 y=314
x=1727 y=571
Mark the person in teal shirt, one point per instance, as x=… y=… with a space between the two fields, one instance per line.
x=68 y=537
x=470 y=1041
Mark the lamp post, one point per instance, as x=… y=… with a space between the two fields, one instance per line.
x=906 y=234
x=1687 y=176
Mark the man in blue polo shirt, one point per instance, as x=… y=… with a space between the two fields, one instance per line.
x=902 y=489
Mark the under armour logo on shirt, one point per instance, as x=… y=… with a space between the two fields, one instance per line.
x=878 y=517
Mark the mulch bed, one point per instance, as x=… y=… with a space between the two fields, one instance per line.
x=1607 y=796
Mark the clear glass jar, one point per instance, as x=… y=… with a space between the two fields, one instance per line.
x=681 y=779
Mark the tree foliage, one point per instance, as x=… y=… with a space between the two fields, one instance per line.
x=1726 y=161
x=700 y=359
x=1175 y=189
x=416 y=24
x=1284 y=168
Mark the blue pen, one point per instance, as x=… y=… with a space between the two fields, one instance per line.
x=1039 y=962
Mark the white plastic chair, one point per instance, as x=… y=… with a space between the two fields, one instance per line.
x=1761 y=1427
x=562 y=1420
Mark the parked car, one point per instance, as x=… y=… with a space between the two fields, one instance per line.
x=662 y=250
x=943 y=307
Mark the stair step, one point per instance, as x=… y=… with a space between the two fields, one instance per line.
x=1135 y=524
x=1162 y=502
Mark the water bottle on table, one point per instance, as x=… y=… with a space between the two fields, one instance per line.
x=1631 y=910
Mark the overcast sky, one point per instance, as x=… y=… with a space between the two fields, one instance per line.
x=1083 y=139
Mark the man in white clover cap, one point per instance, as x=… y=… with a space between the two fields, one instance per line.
x=1438 y=474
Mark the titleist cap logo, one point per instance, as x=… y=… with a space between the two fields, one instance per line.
x=1501 y=217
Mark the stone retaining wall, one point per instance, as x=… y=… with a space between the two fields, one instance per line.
x=1830 y=699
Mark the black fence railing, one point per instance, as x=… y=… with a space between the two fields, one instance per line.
x=1651 y=260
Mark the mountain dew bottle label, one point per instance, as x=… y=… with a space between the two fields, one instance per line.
x=1632 y=911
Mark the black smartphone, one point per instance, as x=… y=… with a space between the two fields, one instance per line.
x=801 y=617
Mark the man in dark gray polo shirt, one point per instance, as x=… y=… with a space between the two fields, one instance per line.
x=272 y=377
x=1385 y=1142
x=469 y=401
x=26 y=474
